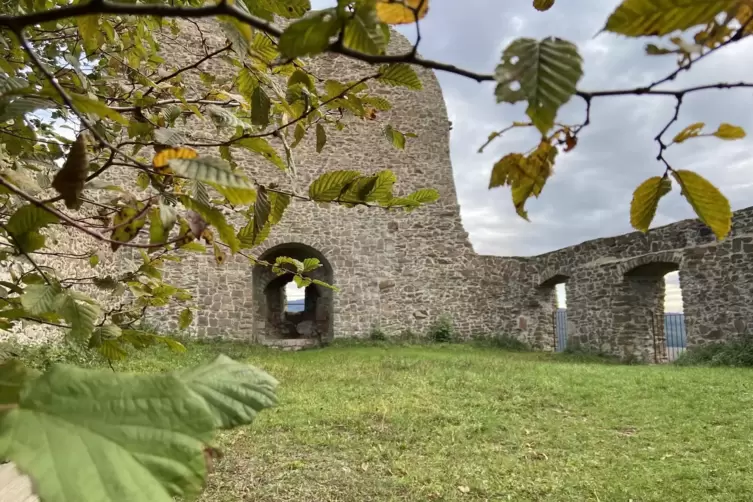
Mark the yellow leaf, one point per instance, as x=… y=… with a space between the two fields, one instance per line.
x=401 y=11
x=711 y=206
x=730 y=132
x=127 y=223
x=645 y=201
x=543 y=5
x=70 y=180
x=691 y=131
x=745 y=16
x=637 y=18
x=506 y=170
x=161 y=160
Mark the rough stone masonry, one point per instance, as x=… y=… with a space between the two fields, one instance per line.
x=398 y=271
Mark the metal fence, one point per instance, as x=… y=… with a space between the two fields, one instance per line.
x=560 y=330
x=675 y=338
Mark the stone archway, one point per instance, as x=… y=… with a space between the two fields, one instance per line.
x=547 y=336
x=273 y=322
x=638 y=307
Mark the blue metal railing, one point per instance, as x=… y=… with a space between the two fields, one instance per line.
x=674 y=333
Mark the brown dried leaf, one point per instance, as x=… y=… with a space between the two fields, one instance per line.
x=70 y=180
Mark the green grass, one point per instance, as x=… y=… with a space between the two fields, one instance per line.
x=397 y=423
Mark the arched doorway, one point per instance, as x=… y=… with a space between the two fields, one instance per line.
x=282 y=311
x=639 y=311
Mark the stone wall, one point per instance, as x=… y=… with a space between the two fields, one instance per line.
x=398 y=271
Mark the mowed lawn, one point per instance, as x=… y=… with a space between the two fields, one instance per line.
x=456 y=422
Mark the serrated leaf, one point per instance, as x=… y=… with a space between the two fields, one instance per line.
x=91 y=35
x=235 y=392
x=39 y=299
x=301 y=282
x=111 y=350
x=250 y=238
x=324 y=284
x=381 y=190
x=236 y=196
x=310 y=35
x=646 y=200
x=547 y=72
x=262 y=208
x=400 y=75
x=185 y=319
x=405 y=12
x=22 y=105
x=12 y=85
x=691 y=131
x=209 y=169
x=711 y=206
x=321 y=138
x=263 y=148
x=157 y=233
x=260 y=106
x=125 y=437
x=297 y=265
x=93 y=106
x=161 y=161
x=69 y=181
x=29 y=218
x=362 y=31
x=169 y=137
x=311 y=264
x=395 y=137
x=81 y=316
x=94 y=260
x=424 y=196
x=730 y=132
x=329 y=186
x=238 y=34
x=215 y=218
x=636 y=18
x=23 y=181
x=247 y=83
x=278 y=202
x=377 y=102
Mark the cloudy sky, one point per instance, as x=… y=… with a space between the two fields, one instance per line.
x=589 y=195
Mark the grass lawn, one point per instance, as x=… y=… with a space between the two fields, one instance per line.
x=456 y=422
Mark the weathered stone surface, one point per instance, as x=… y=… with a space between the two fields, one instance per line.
x=401 y=271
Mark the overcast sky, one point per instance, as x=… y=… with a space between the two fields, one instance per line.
x=589 y=195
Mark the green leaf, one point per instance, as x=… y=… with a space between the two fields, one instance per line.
x=236 y=196
x=262 y=147
x=29 y=218
x=329 y=186
x=711 y=206
x=400 y=75
x=381 y=190
x=157 y=234
x=321 y=138
x=636 y=18
x=301 y=282
x=94 y=260
x=111 y=350
x=250 y=238
x=730 y=132
x=142 y=180
x=309 y=35
x=260 y=106
x=12 y=85
x=23 y=105
x=239 y=34
x=646 y=200
x=169 y=137
x=88 y=28
x=80 y=315
x=235 y=392
x=127 y=223
x=13 y=376
x=297 y=265
x=209 y=169
x=424 y=196
x=247 y=83
x=185 y=319
x=278 y=202
x=547 y=72
x=41 y=299
x=310 y=264
x=395 y=137
x=96 y=107
x=377 y=102
x=363 y=32
x=123 y=437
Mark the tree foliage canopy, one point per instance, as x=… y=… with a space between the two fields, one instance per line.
x=85 y=92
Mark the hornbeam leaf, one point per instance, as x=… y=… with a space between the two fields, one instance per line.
x=13 y=377
x=209 y=169
x=169 y=137
x=124 y=437
x=263 y=148
x=23 y=105
x=362 y=32
x=329 y=186
x=310 y=35
x=711 y=206
x=29 y=218
x=382 y=188
x=395 y=137
x=127 y=223
x=547 y=72
x=283 y=8
x=401 y=12
x=646 y=200
x=39 y=299
x=310 y=264
x=80 y=315
x=637 y=18
x=424 y=196
x=278 y=202
x=70 y=180
x=400 y=75
x=235 y=392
